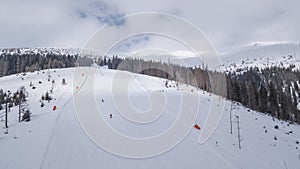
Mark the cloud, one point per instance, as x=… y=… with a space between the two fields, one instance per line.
x=104 y=12
x=71 y=22
x=131 y=44
x=81 y=14
x=55 y=23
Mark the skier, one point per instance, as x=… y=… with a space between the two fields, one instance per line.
x=110 y=115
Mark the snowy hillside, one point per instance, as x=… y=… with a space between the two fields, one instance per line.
x=41 y=51
x=237 y=58
x=261 y=55
x=55 y=139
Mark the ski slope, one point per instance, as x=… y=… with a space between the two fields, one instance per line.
x=56 y=139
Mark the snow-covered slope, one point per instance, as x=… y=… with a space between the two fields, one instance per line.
x=258 y=54
x=55 y=139
x=261 y=55
x=41 y=51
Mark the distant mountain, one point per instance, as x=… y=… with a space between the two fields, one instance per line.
x=41 y=50
x=262 y=55
x=238 y=58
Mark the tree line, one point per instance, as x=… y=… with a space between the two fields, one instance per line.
x=12 y=63
x=272 y=90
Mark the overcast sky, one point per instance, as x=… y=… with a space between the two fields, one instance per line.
x=70 y=23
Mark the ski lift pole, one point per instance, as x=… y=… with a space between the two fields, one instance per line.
x=238 y=126
x=6 y=126
x=230 y=118
x=20 y=101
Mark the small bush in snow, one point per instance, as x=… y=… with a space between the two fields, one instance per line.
x=26 y=116
x=46 y=97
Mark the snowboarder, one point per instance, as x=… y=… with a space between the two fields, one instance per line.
x=110 y=115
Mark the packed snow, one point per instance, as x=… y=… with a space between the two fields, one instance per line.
x=55 y=139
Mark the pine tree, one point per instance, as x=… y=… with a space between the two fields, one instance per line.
x=263 y=99
x=273 y=100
